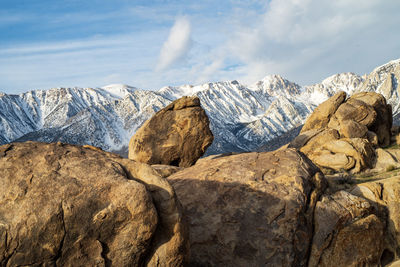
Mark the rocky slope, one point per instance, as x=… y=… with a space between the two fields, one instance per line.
x=242 y=118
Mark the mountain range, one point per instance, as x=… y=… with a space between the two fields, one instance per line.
x=242 y=118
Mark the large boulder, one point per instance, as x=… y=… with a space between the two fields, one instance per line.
x=353 y=154
x=250 y=209
x=178 y=135
x=383 y=124
x=66 y=205
x=322 y=114
x=342 y=134
x=384 y=194
x=356 y=110
x=346 y=232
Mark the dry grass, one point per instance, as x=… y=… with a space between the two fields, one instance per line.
x=346 y=181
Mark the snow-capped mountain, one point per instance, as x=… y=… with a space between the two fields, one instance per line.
x=105 y=117
x=242 y=117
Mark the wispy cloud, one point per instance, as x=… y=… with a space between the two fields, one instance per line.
x=124 y=42
x=177 y=45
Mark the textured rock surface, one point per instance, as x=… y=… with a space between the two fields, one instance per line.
x=385 y=160
x=353 y=154
x=385 y=196
x=177 y=135
x=346 y=232
x=341 y=135
x=249 y=209
x=321 y=115
x=383 y=123
x=75 y=206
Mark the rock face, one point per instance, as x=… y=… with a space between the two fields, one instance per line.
x=250 y=209
x=322 y=114
x=385 y=195
x=177 y=135
x=73 y=206
x=346 y=232
x=341 y=134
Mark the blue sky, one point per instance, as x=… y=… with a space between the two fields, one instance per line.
x=151 y=44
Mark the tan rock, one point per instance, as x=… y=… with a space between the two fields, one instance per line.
x=383 y=124
x=177 y=135
x=303 y=138
x=321 y=115
x=352 y=129
x=356 y=110
x=353 y=154
x=346 y=232
x=250 y=209
x=385 y=196
x=72 y=206
x=165 y=170
x=318 y=140
x=385 y=160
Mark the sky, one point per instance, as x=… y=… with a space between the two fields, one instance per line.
x=150 y=44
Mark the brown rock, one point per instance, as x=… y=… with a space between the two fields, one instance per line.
x=352 y=129
x=165 y=170
x=346 y=232
x=385 y=160
x=321 y=115
x=72 y=206
x=318 y=140
x=177 y=135
x=353 y=154
x=383 y=124
x=384 y=194
x=372 y=138
x=250 y=209
x=356 y=110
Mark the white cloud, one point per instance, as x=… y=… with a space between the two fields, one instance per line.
x=177 y=45
x=309 y=40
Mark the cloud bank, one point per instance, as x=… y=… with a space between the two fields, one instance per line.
x=303 y=40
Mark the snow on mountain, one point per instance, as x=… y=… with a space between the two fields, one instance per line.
x=385 y=80
x=78 y=116
x=242 y=117
x=117 y=90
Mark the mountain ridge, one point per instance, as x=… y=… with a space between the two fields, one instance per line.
x=242 y=118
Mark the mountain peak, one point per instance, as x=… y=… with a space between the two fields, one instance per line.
x=118 y=90
x=390 y=64
x=276 y=85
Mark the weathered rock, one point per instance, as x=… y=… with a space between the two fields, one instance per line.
x=250 y=209
x=318 y=140
x=346 y=232
x=321 y=115
x=385 y=160
x=177 y=135
x=383 y=123
x=356 y=110
x=72 y=206
x=353 y=154
x=165 y=170
x=372 y=138
x=385 y=196
x=352 y=129
x=364 y=116
x=303 y=138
